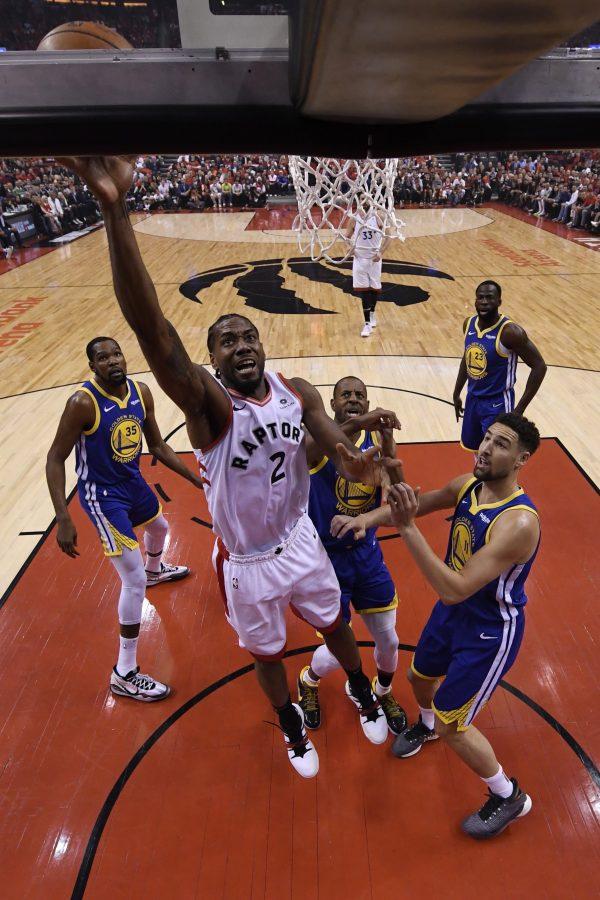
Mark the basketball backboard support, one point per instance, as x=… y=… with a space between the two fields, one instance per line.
x=353 y=80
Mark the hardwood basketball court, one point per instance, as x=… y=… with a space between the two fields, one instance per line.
x=194 y=797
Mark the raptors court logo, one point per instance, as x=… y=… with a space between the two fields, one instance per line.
x=262 y=285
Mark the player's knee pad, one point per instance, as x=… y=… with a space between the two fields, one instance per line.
x=130 y=567
x=323 y=661
x=382 y=627
x=155 y=534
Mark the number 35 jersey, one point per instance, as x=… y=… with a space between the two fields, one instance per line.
x=109 y=451
x=257 y=470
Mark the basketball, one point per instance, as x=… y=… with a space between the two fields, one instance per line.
x=83 y=36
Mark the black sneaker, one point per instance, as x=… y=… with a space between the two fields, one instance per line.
x=308 y=701
x=412 y=739
x=395 y=715
x=497 y=813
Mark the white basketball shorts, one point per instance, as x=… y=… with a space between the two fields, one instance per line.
x=257 y=590
x=366 y=274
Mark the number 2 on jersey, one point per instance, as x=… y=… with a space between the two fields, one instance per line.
x=277 y=474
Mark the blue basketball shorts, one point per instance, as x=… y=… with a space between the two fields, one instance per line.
x=479 y=414
x=471 y=653
x=116 y=509
x=365 y=581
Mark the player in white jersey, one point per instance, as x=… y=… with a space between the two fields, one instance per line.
x=246 y=425
x=368 y=241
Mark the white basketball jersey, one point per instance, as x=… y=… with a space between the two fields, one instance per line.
x=367 y=237
x=257 y=470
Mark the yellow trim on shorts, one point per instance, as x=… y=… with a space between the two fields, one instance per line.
x=468 y=449
x=392 y=605
x=420 y=675
x=97 y=411
x=449 y=716
x=147 y=522
x=121 y=540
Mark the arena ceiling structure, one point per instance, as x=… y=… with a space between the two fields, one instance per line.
x=329 y=77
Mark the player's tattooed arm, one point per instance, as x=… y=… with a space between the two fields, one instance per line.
x=461 y=380
x=193 y=390
x=515 y=338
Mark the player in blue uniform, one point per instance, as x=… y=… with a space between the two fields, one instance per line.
x=474 y=632
x=104 y=420
x=493 y=343
x=364 y=578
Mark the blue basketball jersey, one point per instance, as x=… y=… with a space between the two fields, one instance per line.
x=491 y=367
x=331 y=495
x=471 y=530
x=109 y=451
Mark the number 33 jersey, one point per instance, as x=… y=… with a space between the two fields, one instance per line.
x=109 y=451
x=257 y=470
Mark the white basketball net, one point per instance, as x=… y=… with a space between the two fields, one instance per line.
x=332 y=193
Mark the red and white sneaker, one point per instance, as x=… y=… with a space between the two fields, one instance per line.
x=167 y=573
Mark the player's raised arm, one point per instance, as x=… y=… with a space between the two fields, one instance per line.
x=432 y=501
x=109 y=178
x=513 y=542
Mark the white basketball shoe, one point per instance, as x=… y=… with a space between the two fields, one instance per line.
x=166 y=573
x=137 y=686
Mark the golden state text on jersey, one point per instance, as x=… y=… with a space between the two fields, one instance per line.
x=109 y=450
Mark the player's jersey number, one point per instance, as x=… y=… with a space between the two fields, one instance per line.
x=277 y=474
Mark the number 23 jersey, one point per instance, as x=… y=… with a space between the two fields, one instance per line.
x=257 y=470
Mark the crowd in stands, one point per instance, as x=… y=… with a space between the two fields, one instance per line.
x=25 y=22
x=209 y=182
x=58 y=202
x=564 y=187
x=561 y=185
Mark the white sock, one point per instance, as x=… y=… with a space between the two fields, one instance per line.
x=305 y=677
x=499 y=784
x=380 y=690
x=427 y=717
x=127 y=655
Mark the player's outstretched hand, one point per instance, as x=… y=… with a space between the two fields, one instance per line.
x=108 y=177
x=367 y=466
x=404 y=503
x=343 y=525
x=378 y=419
x=66 y=537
